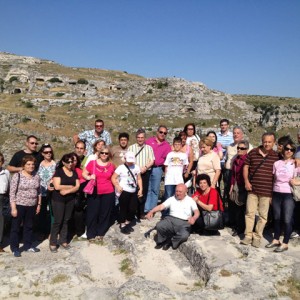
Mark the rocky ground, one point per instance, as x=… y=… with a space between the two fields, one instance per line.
x=128 y=267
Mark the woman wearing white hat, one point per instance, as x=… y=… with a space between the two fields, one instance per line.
x=128 y=182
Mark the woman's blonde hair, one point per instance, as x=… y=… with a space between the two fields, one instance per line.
x=206 y=141
x=104 y=147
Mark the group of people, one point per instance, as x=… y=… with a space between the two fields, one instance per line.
x=97 y=184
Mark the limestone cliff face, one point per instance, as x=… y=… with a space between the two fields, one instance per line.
x=36 y=93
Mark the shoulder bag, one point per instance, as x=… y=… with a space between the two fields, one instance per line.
x=214 y=219
x=91 y=185
x=6 y=211
x=234 y=196
x=296 y=190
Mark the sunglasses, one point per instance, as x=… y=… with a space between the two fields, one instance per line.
x=163 y=132
x=69 y=162
x=47 y=152
x=104 y=153
x=242 y=148
x=289 y=149
x=98 y=125
x=33 y=143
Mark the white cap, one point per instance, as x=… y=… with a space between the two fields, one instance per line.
x=130 y=157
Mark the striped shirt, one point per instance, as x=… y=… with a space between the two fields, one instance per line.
x=262 y=181
x=89 y=137
x=145 y=156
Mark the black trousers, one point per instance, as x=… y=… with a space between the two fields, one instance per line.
x=98 y=214
x=25 y=216
x=128 y=205
x=62 y=212
x=141 y=201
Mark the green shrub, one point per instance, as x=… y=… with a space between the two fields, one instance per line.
x=161 y=84
x=13 y=78
x=28 y=105
x=25 y=120
x=150 y=91
x=59 y=94
x=54 y=80
x=82 y=81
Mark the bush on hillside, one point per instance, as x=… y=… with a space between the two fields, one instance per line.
x=55 y=80
x=13 y=78
x=82 y=81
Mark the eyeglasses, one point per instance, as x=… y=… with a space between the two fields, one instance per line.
x=33 y=143
x=69 y=162
x=289 y=149
x=163 y=132
x=241 y=148
x=47 y=152
x=104 y=153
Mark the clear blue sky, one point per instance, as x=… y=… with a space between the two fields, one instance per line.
x=235 y=46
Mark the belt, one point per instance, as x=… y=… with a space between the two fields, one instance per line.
x=157 y=166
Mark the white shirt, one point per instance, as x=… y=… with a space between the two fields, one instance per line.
x=4 y=181
x=181 y=209
x=125 y=178
x=175 y=161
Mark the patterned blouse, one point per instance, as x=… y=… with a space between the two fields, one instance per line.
x=28 y=189
x=46 y=173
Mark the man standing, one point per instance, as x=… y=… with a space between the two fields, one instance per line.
x=118 y=152
x=31 y=144
x=175 y=228
x=144 y=159
x=258 y=176
x=80 y=149
x=161 y=148
x=91 y=136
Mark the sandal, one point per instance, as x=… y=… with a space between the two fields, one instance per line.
x=66 y=246
x=53 y=249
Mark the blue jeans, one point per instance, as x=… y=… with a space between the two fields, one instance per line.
x=169 y=191
x=154 y=188
x=283 y=208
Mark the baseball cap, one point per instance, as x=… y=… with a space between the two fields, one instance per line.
x=130 y=157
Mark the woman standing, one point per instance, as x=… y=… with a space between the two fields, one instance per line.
x=193 y=141
x=96 y=151
x=216 y=147
x=100 y=204
x=239 y=207
x=128 y=182
x=46 y=171
x=209 y=161
x=283 y=203
x=66 y=184
x=25 y=201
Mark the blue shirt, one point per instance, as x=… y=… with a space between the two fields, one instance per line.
x=225 y=140
x=89 y=137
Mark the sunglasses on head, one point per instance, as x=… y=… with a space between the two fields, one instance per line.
x=242 y=148
x=163 y=132
x=289 y=149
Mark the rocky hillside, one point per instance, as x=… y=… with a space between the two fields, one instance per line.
x=54 y=102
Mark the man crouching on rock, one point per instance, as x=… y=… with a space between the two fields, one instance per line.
x=175 y=228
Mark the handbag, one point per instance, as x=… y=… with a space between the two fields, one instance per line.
x=6 y=211
x=234 y=195
x=214 y=219
x=90 y=186
x=296 y=190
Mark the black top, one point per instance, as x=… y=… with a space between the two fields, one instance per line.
x=64 y=180
x=16 y=160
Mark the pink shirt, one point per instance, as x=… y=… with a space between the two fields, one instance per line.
x=103 y=176
x=160 y=150
x=283 y=172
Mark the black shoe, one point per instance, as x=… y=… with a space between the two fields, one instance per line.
x=159 y=245
x=125 y=230
x=167 y=246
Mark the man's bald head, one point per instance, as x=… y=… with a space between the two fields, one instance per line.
x=181 y=191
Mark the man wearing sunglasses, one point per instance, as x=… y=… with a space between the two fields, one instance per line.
x=91 y=136
x=31 y=144
x=161 y=148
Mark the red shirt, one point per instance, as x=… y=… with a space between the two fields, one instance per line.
x=210 y=198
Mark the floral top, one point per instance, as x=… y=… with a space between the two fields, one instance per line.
x=46 y=174
x=28 y=189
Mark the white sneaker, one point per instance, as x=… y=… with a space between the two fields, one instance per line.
x=294 y=235
x=83 y=236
